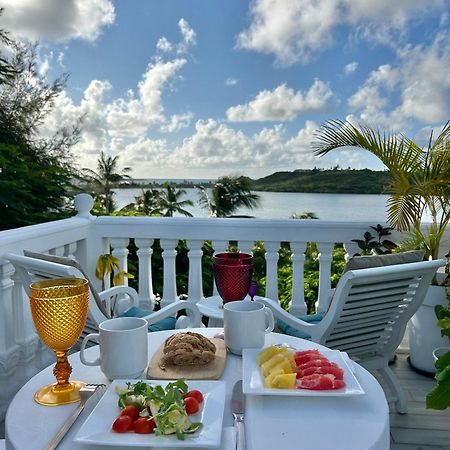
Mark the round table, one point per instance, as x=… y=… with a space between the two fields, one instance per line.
x=272 y=422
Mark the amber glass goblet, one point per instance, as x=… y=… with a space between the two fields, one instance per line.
x=59 y=308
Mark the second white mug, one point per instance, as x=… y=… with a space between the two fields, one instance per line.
x=123 y=347
x=245 y=325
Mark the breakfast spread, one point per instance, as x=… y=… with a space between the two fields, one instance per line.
x=309 y=369
x=187 y=348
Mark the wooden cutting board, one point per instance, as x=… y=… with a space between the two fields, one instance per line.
x=210 y=371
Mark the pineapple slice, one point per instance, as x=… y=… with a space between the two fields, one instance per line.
x=276 y=359
x=268 y=353
x=284 y=381
x=285 y=366
x=290 y=357
x=268 y=380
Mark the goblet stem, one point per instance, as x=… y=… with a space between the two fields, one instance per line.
x=62 y=371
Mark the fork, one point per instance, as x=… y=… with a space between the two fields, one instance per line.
x=85 y=393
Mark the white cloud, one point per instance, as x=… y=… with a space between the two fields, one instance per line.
x=231 y=81
x=215 y=148
x=282 y=103
x=135 y=115
x=417 y=88
x=188 y=39
x=55 y=20
x=292 y=30
x=350 y=68
x=164 y=45
x=177 y=122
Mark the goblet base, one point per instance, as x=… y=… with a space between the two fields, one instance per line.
x=49 y=396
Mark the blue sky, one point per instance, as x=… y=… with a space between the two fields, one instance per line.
x=203 y=88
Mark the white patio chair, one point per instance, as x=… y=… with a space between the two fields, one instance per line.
x=113 y=302
x=368 y=316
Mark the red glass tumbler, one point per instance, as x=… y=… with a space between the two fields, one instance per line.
x=233 y=275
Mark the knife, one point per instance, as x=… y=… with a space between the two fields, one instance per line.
x=238 y=409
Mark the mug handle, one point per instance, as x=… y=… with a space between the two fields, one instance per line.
x=270 y=319
x=93 y=336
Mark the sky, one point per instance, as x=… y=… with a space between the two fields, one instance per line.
x=206 y=88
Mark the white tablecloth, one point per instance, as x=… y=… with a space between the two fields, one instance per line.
x=272 y=423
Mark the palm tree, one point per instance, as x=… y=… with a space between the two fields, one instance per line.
x=228 y=194
x=147 y=203
x=105 y=179
x=169 y=201
x=420 y=178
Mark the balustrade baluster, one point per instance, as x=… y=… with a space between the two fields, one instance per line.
x=246 y=246
x=272 y=269
x=195 y=285
x=120 y=251
x=297 y=305
x=325 y=259
x=170 y=286
x=144 y=254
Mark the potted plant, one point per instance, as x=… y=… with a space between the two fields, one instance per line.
x=439 y=397
x=420 y=185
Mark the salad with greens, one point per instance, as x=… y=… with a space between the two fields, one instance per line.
x=165 y=407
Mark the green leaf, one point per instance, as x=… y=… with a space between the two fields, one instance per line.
x=439 y=397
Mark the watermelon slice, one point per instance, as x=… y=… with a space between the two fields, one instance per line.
x=332 y=369
x=319 y=382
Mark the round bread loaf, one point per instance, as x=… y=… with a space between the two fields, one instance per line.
x=188 y=348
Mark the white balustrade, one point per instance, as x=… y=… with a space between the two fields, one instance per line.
x=144 y=253
x=86 y=237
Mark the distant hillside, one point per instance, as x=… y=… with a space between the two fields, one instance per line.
x=325 y=181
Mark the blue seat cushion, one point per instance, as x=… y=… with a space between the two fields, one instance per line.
x=164 y=324
x=291 y=331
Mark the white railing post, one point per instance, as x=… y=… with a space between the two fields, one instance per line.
x=144 y=253
x=350 y=249
x=297 y=305
x=120 y=251
x=272 y=269
x=169 y=255
x=195 y=283
x=246 y=247
x=325 y=259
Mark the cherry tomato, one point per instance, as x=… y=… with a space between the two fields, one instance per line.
x=131 y=411
x=196 y=394
x=191 y=405
x=143 y=425
x=123 y=424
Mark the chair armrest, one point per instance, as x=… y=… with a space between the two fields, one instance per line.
x=192 y=320
x=280 y=313
x=127 y=297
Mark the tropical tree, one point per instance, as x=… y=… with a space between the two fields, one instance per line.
x=105 y=179
x=35 y=173
x=148 y=203
x=170 y=201
x=228 y=194
x=420 y=177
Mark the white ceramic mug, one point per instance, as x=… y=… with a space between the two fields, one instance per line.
x=123 y=347
x=245 y=325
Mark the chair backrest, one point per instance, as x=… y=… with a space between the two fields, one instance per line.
x=371 y=308
x=34 y=269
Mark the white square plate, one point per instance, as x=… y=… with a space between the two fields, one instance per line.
x=96 y=430
x=253 y=381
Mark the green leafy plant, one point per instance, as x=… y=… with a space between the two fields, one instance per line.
x=108 y=265
x=439 y=397
x=378 y=245
x=420 y=177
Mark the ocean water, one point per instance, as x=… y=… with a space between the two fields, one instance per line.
x=281 y=205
